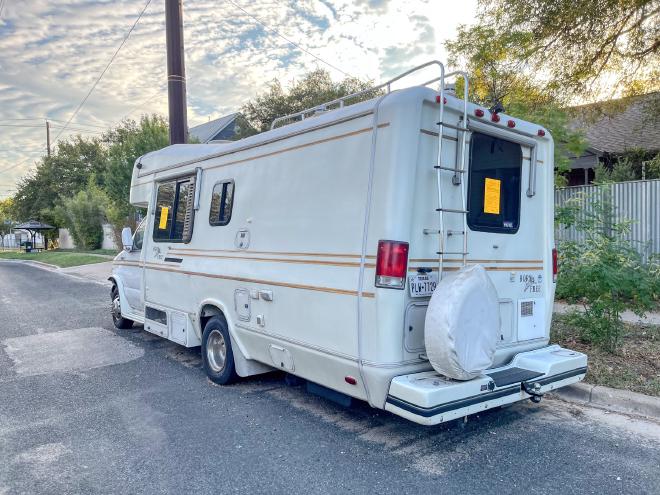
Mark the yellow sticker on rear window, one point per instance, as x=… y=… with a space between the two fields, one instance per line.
x=164 y=213
x=492 y=196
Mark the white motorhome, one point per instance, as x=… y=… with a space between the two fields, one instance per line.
x=315 y=248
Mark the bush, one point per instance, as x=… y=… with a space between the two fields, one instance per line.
x=83 y=215
x=604 y=272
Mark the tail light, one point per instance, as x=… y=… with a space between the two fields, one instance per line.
x=554 y=265
x=391 y=264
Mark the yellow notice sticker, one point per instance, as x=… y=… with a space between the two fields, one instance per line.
x=492 y=196
x=164 y=213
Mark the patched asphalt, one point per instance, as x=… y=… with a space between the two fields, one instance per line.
x=136 y=415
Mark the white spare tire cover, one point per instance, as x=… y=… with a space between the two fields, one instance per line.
x=462 y=324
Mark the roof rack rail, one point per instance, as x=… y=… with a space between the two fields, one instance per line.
x=341 y=102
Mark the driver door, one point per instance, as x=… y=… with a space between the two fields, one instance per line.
x=132 y=273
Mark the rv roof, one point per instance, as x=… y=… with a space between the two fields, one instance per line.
x=182 y=154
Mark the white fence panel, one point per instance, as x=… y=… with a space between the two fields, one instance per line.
x=637 y=201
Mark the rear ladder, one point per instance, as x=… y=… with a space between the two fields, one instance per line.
x=458 y=171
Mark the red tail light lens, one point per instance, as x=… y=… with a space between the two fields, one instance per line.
x=555 y=268
x=391 y=264
x=495 y=118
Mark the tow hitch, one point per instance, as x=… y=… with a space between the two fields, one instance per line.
x=533 y=389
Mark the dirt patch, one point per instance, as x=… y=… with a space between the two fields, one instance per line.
x=634 y=366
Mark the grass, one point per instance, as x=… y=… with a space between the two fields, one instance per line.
x=61 y=258
x=634 y=366
x=103 y=252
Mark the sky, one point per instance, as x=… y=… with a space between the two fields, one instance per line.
x=52 y=52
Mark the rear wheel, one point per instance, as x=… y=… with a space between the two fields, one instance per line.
x=217 y=354
x=119 y=321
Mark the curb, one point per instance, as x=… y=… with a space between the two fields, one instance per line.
x=611 y=399
x=39 y=264
x=68 y=272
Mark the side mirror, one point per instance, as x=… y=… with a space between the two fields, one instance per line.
x=127 y=239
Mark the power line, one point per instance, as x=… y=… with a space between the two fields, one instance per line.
x=21 y=125
x=14 y=166
x=84 y=100
x=21 y=151
x=83 y=124
x=273 y=30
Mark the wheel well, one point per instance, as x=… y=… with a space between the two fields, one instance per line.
x=208 y=312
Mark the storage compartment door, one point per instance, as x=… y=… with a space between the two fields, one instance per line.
x=413 y=340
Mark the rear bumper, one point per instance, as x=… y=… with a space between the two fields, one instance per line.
x=428 y=398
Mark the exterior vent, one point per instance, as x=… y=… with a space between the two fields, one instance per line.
x=527 y=308
x=190 y=212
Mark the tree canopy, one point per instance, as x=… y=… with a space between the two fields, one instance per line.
x=313 y=89
x=497 y=76
x=62 y=174
x=582 y=47
x=80 y=165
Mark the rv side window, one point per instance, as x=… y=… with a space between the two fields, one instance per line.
x=222 y=201
x=494 y=184
x=174 y=211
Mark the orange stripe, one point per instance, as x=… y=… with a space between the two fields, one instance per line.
x=487 y=268
x=275 y=260
x=153 y=266
x=435 y=260
x=264 y=155
x=280 y=253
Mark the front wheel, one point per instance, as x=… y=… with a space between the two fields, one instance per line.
x=217 y=354
x=119 y=321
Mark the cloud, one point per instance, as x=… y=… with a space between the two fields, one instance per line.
x=52 y=51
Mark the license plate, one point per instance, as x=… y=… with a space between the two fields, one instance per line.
x=422 y=284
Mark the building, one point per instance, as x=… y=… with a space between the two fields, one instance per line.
x=612 y=129
x=216 y=131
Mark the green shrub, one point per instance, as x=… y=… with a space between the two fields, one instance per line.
x=604 y=272
x=83 y=215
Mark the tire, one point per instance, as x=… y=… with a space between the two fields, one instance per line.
x=115 y=309
x=217 y=354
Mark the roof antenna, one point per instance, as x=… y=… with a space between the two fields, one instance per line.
x=496 y=108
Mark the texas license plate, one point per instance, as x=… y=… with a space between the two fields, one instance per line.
x=422 y=284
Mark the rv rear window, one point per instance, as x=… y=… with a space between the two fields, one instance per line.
x=222 y=201
x=494 y=184
x=174 y=210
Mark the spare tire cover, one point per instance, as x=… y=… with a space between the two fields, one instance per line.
x=462 y=324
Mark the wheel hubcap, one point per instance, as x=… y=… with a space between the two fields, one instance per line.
x=116 y=307
x=216 y=351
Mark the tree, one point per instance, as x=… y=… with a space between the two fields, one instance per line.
x=125 y=144
x=497 y=73
x=313 y=89
x=580 y=45
x=62 y=174
x=83 y=215
x=6 y=219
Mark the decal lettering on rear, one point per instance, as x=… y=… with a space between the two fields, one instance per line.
x=531 y=283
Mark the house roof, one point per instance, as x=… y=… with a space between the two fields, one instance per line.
x=205 y=132
x=34 y=225
x=618 y=126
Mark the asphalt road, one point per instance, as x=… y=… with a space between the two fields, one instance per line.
x=88 y=409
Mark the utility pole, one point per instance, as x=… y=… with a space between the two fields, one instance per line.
x=176 y=72
x=48 y=137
